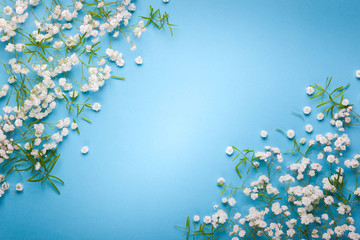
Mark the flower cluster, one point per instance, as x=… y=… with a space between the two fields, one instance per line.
x=315 y=198
x=42 y=59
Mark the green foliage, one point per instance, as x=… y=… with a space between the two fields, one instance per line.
x=158 y=20
x=330 y=99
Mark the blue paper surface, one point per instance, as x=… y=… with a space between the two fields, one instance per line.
x=157 y=147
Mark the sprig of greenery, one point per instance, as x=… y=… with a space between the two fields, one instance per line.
x=158 y=20
x=329 y=97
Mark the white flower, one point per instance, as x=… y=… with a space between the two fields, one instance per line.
x=139 y=60
x=264 y=134
x=358 y=73
x=309 y=128
x=307 y=110
x=329 y=200
x=232 y=202
x=100 y=4
x=357 y=192
x=196 y=218
x=290 y=134
x=74 y=126
x=132 y=7
x=247 y=191
x=10 y=48
x=102 y=61
x=207 y=219
x=286 y=177
x=345 y=102
x=221 y=180
x=229 y=150
x=8 y=10
x=166 y=1
x=85 y=150
x=5 y=186
x=320 y=116
x=224 y=200
x=96 y=106
x=310 y=90
x=37 y=166
x=254 y=196
x=19 y=187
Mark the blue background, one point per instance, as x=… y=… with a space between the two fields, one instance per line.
x=157 y=147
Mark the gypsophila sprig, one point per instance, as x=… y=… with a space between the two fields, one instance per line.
x=310 y=191
x=46 y=43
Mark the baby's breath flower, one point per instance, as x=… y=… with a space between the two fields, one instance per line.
x=37 y=166
x=310 y=90
x=74 y=126
x=307 y=110
x=19 y=187
x=207 y=219
x=345 y=102
x=309 y=128
x=96 y=106
x=320 y=116
x=85 y=150
x=264 y=134
x=229 y=150
x=139 y=60
x=290 y=134
x=358 y=74
x=221 y=180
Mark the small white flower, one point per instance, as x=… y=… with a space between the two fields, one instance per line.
x=320 y=116
x=96 y=106
x=19 y=187
x=329 y=200
x=345 y=102
x=37 y=166
x=310 y=90
x=139 y=60
x=307 y=110
x=85 y=150
x=221 y=180
x=237 y=215
x=232 y=202
x=196 y=218
x=229 y=150
x=290 y=134
x=358 y=73
x=74 y=126
x=264 y=134
x=5 y=186
x=309 y=128
x=207 y=219
x=8 y=10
